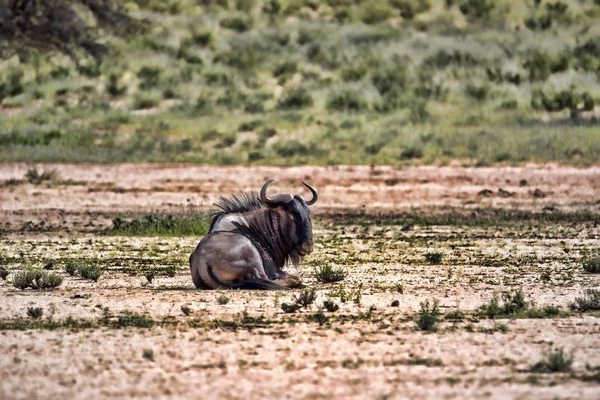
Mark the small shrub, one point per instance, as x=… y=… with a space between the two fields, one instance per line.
x=3 y=273
x=297 y=98
x=222 y=299
x=113 y=88
x=410 y=8
x=329 y=274
x=434 y=257
x=477 y=9
x=285 y=68
x=346 y=100
x=592 y=265
x=428 y=316
x=71 y=267
x=512 y=304
x=144 y=101
x=589 y=302
x=319 y=317
x=148 y=354
x=306 y=298
x=290 y=308
x=149 y=77
x=150 y=275
x=90 y=272
x=375 y=12
x=35 y=177
x=35 y=312
x=331 y=305
x=186 y=310
x=237 y=24
x=556 y=361
x=36 y=279
x=170 y=272
x=477 y=92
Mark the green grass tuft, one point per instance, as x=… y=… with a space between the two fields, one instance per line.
x=428 y=317
x=35 y=312
x=589 y=302
x=556 y=361
x=329 y=274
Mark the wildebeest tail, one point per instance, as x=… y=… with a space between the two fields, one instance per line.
x=248 y=284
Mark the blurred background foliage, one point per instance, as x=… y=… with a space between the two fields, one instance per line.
x=300 y=81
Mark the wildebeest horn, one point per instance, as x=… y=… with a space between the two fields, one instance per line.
x=314 y=193
x=279 y=199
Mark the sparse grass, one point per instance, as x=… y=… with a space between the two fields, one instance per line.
x=35 y=312
x=434 y=257
x=328 y=274
x=589 y=302
x=592 y=264
x=428 y=317
x=129 y=319
x=512 y=304
x=555 y=361
x=222 y=299
x=161 y=225
x=36 y=279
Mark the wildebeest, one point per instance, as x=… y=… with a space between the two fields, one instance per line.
x=250 y=240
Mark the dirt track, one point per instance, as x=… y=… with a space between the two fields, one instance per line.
x=250 y=348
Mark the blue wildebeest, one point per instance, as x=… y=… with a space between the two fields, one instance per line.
x=250 y=240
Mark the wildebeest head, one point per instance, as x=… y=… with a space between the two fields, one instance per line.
x=295 y=221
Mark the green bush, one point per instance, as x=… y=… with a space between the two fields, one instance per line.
x=444 y=59
x=477 y=9
x=35 y=312
x=428 y=317
x=90 y=271
x=149 y=77
x=113 y=88
x=592 y=264
x=434 y=257
x=144 y=100
x=541 y=65
x=238 y=24
x=295 y=99
x=12 y=84
x=346 y=100
x=373 y=12
x=410 y=8
x=36 y=279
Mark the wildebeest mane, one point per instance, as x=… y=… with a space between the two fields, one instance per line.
x=234 y=204
x=264 y=234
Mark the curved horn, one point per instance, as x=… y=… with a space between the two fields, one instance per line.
x=314 y=193
x=279 y=199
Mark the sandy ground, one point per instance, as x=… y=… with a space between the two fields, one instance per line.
x=358 y=353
